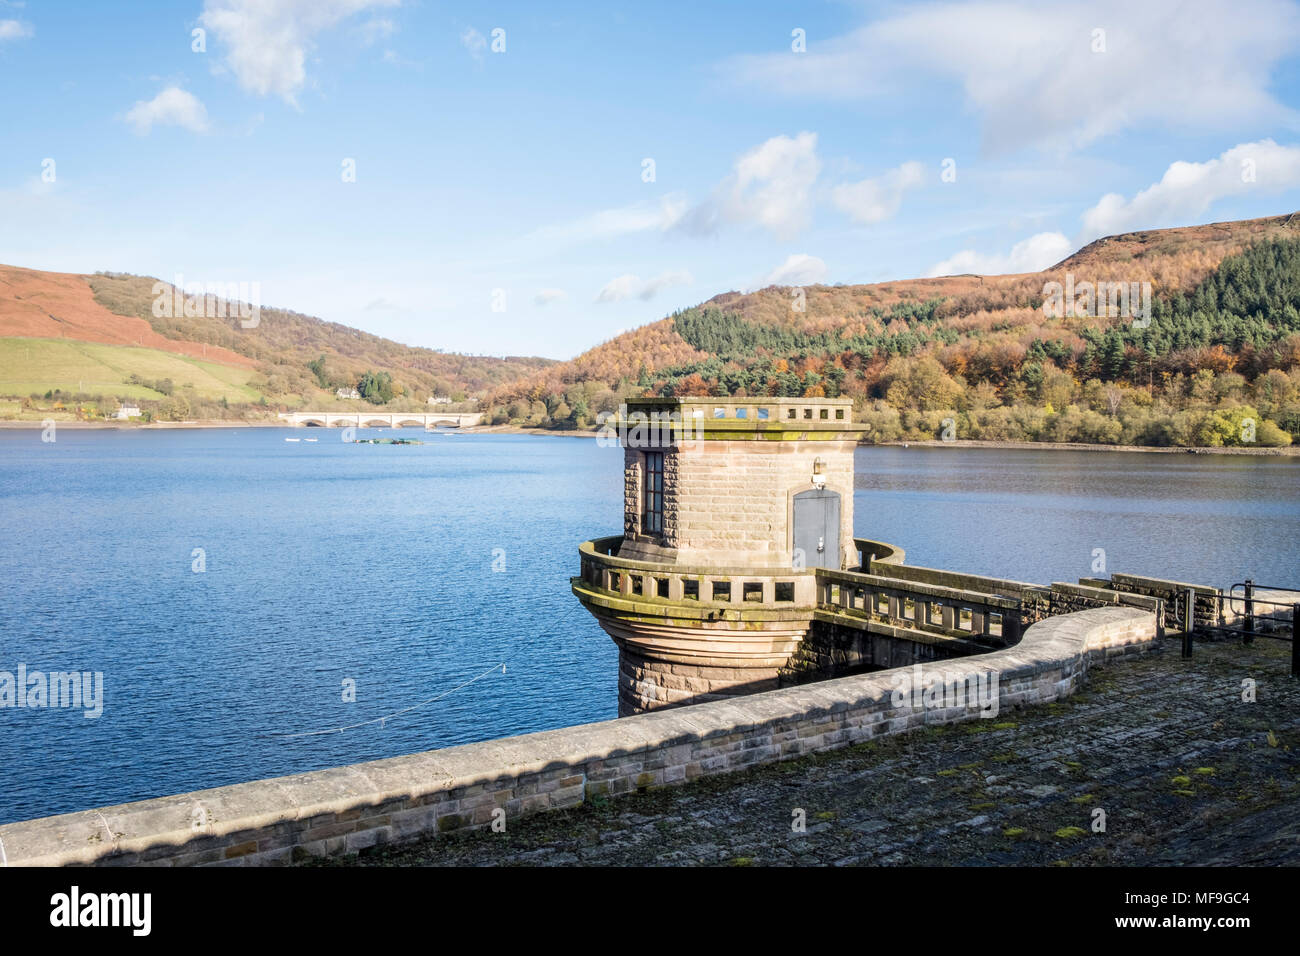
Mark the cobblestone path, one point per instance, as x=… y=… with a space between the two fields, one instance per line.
x=1186 y=772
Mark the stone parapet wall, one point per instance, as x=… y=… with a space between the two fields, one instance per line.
x=346 y=809
x=1207 y=610
x=954 y=579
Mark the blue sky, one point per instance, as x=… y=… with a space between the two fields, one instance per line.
x=501 y=203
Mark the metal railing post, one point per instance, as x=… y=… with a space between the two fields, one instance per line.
x=1249 y=636
x=1295 y=642
x=1189 y=620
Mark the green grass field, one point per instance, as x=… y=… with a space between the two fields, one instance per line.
x=39 y=365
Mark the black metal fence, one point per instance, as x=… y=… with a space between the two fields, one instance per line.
x=1244 y=613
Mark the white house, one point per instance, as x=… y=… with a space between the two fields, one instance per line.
x=127 y=411
x=347 y=393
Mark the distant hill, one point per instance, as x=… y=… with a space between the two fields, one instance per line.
x=1224 y=300
x=49 y=320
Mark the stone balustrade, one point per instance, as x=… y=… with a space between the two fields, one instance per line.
x=688 y=634
x=682 y=584
x=928 y=608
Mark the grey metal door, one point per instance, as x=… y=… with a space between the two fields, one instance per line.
x=817 y=528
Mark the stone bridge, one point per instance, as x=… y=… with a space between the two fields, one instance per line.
x=383 y=419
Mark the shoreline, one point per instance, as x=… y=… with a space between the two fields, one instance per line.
x=226 y=423
x=519 y=430
x=151 y=426
x=1288 y=451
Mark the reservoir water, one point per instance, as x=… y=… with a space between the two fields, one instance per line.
x=232 y=587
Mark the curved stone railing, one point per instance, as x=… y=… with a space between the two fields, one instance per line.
x=869 y=551
x=345 y=809
x=709 y=586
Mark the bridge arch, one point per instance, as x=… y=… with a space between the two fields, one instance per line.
x=328 y=419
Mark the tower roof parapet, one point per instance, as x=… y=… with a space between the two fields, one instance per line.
x=654 y=420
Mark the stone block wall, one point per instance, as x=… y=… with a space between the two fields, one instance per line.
x=728 y=503
x=1206 y=609
x=347 y=809
x=645 y=684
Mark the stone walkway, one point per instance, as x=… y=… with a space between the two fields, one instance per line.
x=1185 y=771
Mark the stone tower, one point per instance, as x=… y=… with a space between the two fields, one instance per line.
x=729 y=505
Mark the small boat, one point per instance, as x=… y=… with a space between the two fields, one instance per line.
x=311 y=439
x=293 y=439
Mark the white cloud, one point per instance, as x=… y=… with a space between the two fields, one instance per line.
x=474 y=41
x=619 y=288
x=663 y=281
x=15 y=30
x=647 y=216
x=1029 y=70
x=1184 y=193
x=878 y=199
x=770 y=186
x=379 y=28
x=799 y=269
x=1188 y=189
x=626 y=286
x=1029 y=255
x=396 y=59
x=268 y=40
x=547 y=296
x=172 y=107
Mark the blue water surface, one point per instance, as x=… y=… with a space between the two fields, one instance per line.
x=411 y=570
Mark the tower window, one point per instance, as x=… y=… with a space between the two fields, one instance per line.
x=652 y=506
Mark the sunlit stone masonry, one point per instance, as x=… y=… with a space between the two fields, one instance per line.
x=729 y=505
x=737 y=570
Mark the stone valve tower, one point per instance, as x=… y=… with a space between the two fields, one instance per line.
x=730 y=506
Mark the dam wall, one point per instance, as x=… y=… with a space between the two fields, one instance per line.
x=348 y=809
